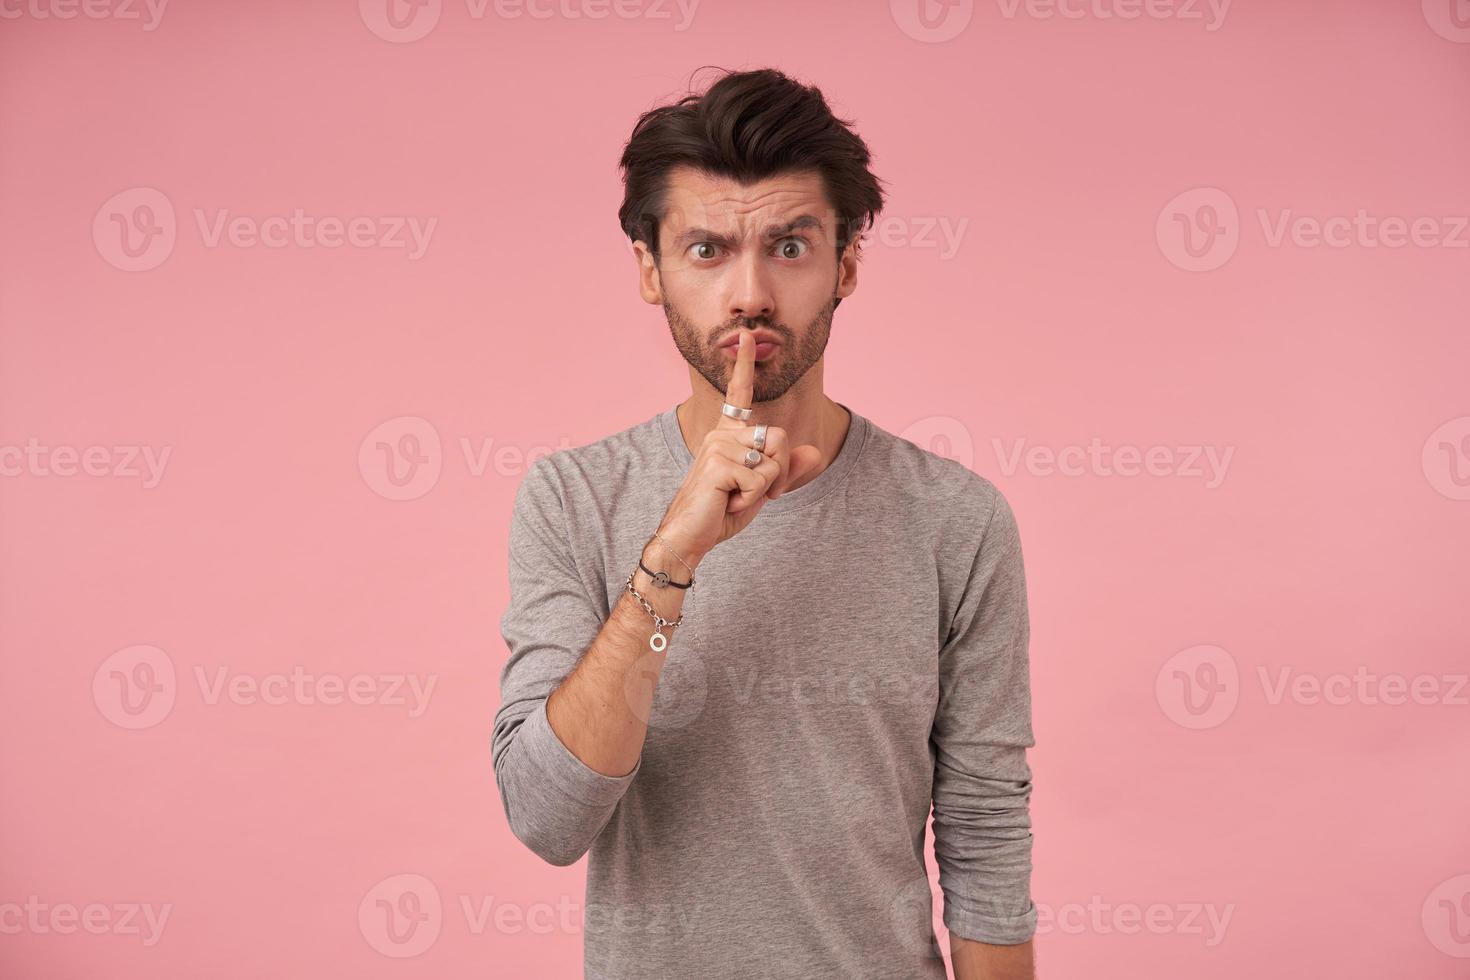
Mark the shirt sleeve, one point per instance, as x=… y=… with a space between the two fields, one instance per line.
x=982 y=728
x=556 y=805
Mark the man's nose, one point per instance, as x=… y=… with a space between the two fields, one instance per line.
x=750 y=293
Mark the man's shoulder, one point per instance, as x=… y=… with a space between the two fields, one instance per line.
x=927 y=479
x=605 y=462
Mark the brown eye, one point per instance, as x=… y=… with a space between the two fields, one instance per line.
x=698 y=247
x=794 y=248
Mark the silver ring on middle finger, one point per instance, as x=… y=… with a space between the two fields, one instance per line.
x=760 y=438
x=753 y=457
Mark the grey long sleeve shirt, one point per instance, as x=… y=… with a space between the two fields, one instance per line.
x=854 y=656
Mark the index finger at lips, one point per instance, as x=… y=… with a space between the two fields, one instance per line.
x=741 y=388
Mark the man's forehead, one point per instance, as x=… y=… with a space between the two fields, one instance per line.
x=694 y=198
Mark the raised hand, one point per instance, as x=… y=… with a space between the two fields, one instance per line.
x=720 y=495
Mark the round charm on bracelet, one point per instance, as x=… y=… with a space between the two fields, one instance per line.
x=657 y=642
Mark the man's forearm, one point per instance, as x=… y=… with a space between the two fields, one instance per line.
x=600 y=710
x=985 y=961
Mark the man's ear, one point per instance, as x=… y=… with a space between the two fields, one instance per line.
x=847 y=271
x=650 y=287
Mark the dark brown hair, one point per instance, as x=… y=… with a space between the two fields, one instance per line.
x=748 y=126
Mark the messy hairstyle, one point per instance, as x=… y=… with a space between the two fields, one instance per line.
x=748 y=126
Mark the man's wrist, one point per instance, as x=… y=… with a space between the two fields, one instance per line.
x=667 y=553
x=666 y=600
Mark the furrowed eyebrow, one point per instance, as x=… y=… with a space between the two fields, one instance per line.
x=691 y=235
x=795 y=224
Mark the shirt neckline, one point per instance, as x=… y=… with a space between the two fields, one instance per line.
x=812 y=491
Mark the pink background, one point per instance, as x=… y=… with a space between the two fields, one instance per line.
x=1167 y=606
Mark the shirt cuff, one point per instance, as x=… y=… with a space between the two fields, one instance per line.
x=998 y=930
x=563 y=770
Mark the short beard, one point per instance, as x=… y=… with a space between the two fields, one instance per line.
x=792 y=361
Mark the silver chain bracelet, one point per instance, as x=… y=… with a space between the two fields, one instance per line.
x=657 y=642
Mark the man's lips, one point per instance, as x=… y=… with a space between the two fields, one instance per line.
x=763 y=350
x=765 y=343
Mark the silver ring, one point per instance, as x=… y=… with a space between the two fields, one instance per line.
x=735 y=412
x=753 y=457
x=760 y=438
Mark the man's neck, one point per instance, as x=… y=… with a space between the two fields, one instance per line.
x=808 y=417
